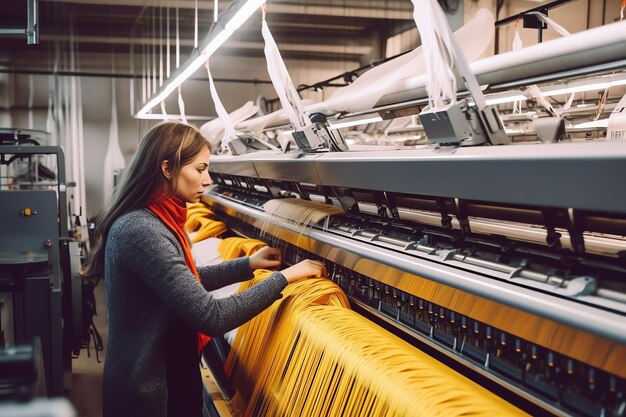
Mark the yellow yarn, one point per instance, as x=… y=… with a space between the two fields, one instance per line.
x=199 y=207
x=248 y=353
x=195 y=212
x=235 y=247
x=230 y=248
x=250 y=246
x=200 y=222
x=309 y=355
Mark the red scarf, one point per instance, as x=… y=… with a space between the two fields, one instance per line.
x=173 y=212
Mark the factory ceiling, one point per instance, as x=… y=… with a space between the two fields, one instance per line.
x=346 y=30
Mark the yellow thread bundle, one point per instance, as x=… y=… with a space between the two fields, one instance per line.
x=200 y=222
x=235 y=247
x=255 y=345
x=324 y=360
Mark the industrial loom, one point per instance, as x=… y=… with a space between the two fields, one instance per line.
x=502 y=260
x=505 y=263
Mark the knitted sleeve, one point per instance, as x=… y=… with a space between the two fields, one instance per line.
x=225 y=273
x=152 y=254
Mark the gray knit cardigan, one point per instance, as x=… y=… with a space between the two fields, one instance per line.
x=156 y=306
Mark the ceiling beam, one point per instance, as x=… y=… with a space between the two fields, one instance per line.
x=391 y=9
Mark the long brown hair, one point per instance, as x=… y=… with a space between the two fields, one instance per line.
x=175 y=142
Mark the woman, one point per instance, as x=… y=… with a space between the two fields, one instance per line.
x=158 y=302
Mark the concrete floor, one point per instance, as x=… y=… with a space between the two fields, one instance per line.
x=85 y=393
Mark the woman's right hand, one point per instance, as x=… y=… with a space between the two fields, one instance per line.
x=303 y=270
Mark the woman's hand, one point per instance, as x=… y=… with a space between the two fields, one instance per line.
x=265 y=258
x=303 y=270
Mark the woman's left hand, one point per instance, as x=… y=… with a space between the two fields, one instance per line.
x=265 y=258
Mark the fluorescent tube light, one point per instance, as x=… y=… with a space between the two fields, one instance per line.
x=585 y=85
x=501 y=98
x=161 y=116
x=505 y=99
x=341 y=123
x=229 y=21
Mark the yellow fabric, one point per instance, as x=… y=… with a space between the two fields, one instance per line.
x=250 y=246
x=195 y=212
x=235 y=247
x=230 y=248
x=200 y=222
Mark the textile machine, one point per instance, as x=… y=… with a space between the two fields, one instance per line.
x=506 y=263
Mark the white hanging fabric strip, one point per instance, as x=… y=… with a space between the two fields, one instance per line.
x=81 y=151
x=195 y=25
x=75 y=156
x=144 y=90
x=517 y=44
x=31 y=97
x=215 y=11
x=57 y=106
x=438 y=56
x=167 y=43
x=160 y=45
x=569 y=101
x=149 y=73
x=213 y=130
x=50 y=116
x=163 y=112
x=177 y=38
x=51 y=121
x=517 y=40
x=287 y=93
x=228 y=121
x=229 y=130
x=551 y=23
x=114 y=159
x=181 y=106
x=154 y=52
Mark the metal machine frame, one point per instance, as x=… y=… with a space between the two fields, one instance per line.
x=44 y=292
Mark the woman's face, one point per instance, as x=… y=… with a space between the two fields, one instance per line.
x=193 y=178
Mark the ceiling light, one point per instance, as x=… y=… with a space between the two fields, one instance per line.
x=229 y=21
x=501 y=98
x=494 y=99
x=585 y=85
x=355 y=121
x=161 y=116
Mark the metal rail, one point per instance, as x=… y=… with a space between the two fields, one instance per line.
x=573 y=314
